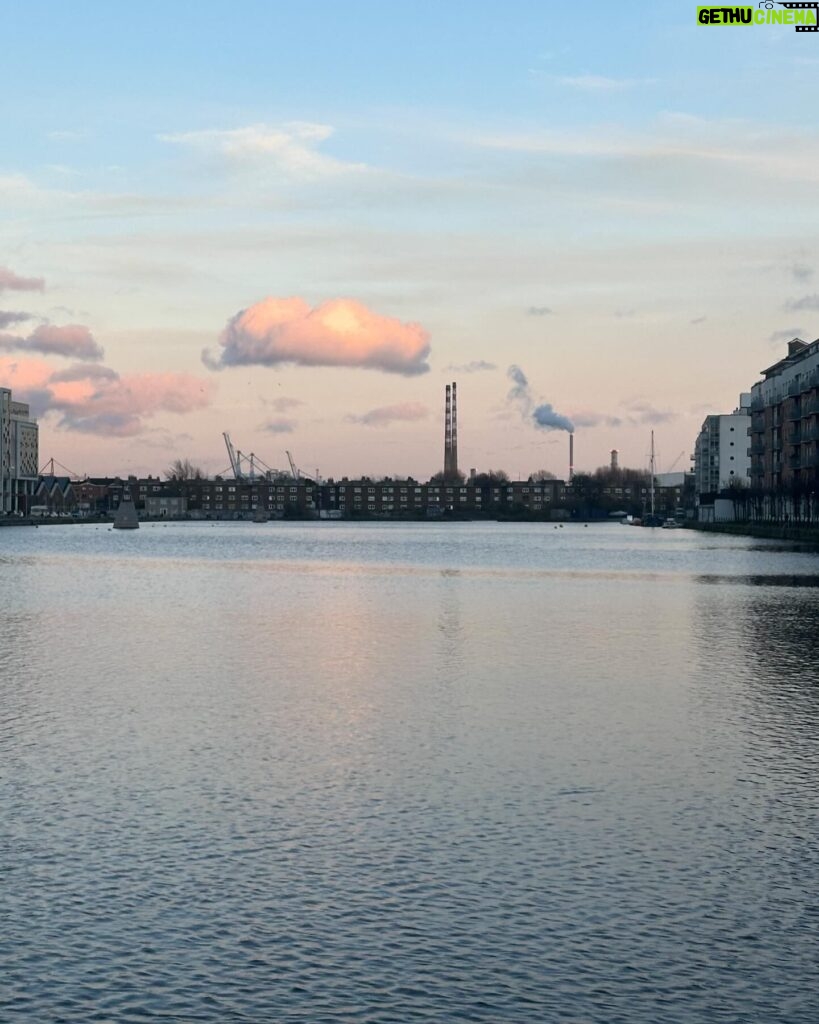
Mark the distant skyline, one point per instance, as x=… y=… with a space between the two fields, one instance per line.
x=297 y=223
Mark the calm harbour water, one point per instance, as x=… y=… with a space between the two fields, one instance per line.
x=383 y=773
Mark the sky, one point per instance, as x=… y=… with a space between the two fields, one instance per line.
x=296 y=222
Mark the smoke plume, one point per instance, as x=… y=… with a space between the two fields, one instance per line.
x=542 y=416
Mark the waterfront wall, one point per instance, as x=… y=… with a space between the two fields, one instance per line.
x=805 y=534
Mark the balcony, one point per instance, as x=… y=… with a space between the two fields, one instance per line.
x=796 y=387
x=757 y=448
x=795 y=436
x=757 y=404
x=794 y=462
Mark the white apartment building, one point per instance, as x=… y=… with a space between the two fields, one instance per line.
x=721 y=458
x=19 y=454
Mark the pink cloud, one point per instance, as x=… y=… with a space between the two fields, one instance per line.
x=120 y=406
x=340 y=332
x=9 y=281
x=405 y=412
x=102 y=402
x=72 y=340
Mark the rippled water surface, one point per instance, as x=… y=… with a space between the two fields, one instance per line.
x=385 y=773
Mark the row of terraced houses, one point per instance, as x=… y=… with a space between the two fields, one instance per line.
x=229 y=498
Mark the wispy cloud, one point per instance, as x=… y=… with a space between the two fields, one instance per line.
x=11 y=282
x=771 y=152
x=539 y=311
x=786 y=334
x=341 y=332
x=600 y=83
x=642 y=411
x=65 y=136
x=292 y=147
x=279 y=426
x=7 y=318
x=71 y=340
x=801 y=272
x=698 y=320
x=476 y=366
x=806 y=302
x=284 y=403
x=405 y=412
x=596 y=419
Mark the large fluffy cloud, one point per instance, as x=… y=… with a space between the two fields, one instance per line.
x=72 y=340
x=341 y=332
x=99 y=401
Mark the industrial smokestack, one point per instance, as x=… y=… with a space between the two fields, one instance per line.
x=454 y=429
x=571 y=456
x=614 y=460
x=447 y=426
x=451 y=431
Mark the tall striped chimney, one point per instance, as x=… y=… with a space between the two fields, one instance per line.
x=451 y=431
x=571 y=456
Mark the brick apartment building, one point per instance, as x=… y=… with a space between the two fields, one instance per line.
x=233 y=499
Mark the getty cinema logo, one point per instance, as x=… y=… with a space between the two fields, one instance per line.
x=803 y=16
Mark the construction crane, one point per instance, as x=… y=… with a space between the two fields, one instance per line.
x=298 y=474
x=674 y=463
x=248 y=467
x=235 y=460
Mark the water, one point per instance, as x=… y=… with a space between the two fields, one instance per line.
x=387 y=773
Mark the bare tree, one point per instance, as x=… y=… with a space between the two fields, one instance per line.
x=184 y=469
x=492 y=476
x=541 y=475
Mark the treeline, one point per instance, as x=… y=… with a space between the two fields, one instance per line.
x=792 y=503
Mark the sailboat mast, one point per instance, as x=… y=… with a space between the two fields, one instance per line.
x=651 y=470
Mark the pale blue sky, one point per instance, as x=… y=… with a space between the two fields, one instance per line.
x=650 y=182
